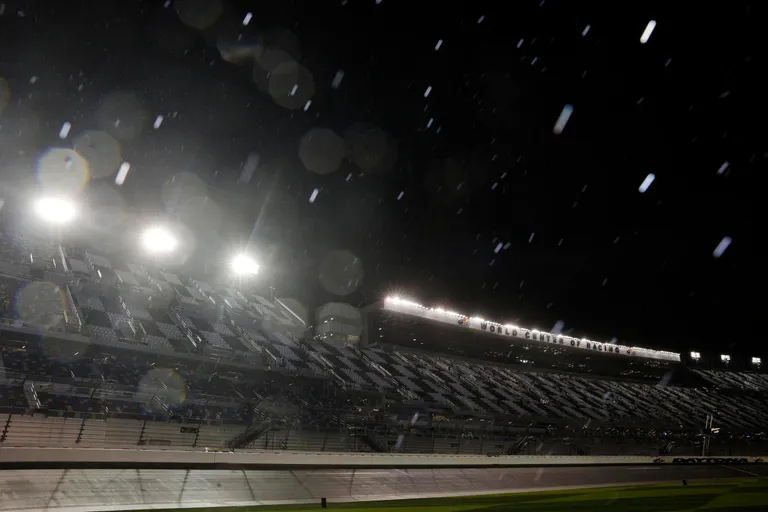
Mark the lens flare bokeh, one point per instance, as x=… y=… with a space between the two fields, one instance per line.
x=40 y=303
x=62 y=171
x=101 y=151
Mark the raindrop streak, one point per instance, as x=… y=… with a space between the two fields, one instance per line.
x=314 y=195
x=158 y=122
x=498 y=248
x=722 y=168
x=722 y=246
x=338 y=77
x=251 y=163
x=647 y=182
x=400 y=195
x=307 y=105
x=648 y=31
x=65 y=130
x=563 y=119
x=586 y=30
x=429 y=90
x=439 y=44
x=247 y=18
x=122 y=173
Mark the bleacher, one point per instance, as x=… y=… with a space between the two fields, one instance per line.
x=135 y=355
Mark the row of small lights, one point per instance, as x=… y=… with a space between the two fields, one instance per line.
x=694 y=355
x=399 y=300
x=725 y=358
x=156 y=240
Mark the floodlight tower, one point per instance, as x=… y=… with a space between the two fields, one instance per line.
x=158 y=240
x=55 y=211
x=244 y=265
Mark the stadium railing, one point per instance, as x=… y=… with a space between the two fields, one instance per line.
x=114 y=430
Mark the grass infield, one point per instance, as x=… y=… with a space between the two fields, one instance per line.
x=717 y=496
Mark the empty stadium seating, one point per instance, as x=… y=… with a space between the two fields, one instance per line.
x=134 y=355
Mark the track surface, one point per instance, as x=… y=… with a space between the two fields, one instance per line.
x=125 y=489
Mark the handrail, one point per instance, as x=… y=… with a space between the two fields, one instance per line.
x=239 y=331
x=73 y=307
x=187 y=330
x=328 y=367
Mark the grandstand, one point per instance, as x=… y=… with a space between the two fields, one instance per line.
x=96 y=350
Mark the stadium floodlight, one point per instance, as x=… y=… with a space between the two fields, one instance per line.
x=725 y=358
x=55 y=210
x=158 y=240
x=695 y=356
x=757 y=361
x=243 y=265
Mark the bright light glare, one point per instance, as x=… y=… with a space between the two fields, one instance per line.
x=244 y=265
x=55 y=210
x=159 y=240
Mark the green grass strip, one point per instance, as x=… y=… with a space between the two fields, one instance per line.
x=718 y=496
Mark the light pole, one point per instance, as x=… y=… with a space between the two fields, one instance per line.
x=461 y=432
x=434 y=431
x=56 y=212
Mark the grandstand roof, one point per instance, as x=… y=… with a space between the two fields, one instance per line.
x=507 y=330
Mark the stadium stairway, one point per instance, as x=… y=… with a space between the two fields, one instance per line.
x=250 y=435
x=371 y=442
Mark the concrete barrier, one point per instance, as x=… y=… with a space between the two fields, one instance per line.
x=85 y=458
x=58 y=458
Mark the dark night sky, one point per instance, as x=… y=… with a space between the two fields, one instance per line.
x=423 y=189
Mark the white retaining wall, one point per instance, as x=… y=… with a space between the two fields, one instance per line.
x=60 y=455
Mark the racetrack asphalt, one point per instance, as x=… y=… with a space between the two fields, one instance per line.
x=87 y=489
